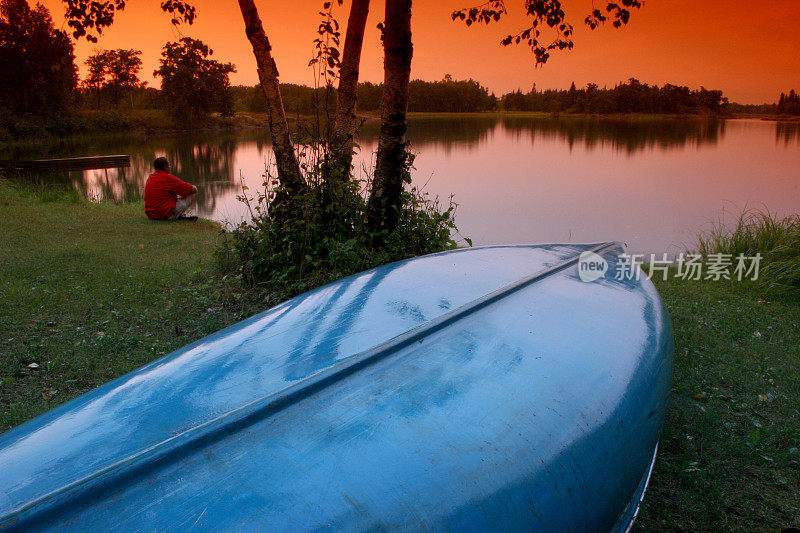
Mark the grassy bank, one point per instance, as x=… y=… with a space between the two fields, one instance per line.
x=728 y=458
x=92 y=291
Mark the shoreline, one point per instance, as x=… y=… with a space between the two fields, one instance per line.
x=252 y=120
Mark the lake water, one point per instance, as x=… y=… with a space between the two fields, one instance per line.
x=651 y=183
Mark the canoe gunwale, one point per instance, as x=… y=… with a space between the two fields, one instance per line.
x=628 y=517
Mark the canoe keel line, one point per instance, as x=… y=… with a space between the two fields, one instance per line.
x=111 y=478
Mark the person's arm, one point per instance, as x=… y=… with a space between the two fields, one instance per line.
x=183 y=188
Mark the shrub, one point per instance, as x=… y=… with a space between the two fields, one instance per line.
x=322 y=236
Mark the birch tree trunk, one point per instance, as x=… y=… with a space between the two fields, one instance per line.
x=387 y=184
x=346 y=122
x=285 y=158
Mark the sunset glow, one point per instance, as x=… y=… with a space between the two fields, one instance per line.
x=751 y=51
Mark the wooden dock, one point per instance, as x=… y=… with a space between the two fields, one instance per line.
x=69 y=163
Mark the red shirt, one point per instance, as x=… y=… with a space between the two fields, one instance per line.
x=161 y=192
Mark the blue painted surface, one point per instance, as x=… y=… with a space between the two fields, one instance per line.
x=402 y=397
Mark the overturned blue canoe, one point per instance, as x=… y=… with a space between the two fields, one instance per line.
x=485 y=388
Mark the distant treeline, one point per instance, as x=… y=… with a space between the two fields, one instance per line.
x=630 y=97
x=459 y=96
x=448 y=95
x=752 y=109
x=788 y=104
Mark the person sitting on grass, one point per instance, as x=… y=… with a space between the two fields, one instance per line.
x=165 y=196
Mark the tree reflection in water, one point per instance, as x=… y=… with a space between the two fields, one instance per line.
x=213 y=161
x=787 y=132
x=204 y=160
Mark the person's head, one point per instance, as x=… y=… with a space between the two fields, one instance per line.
x=161 y=163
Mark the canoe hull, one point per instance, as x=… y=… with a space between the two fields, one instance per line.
x=536 y=409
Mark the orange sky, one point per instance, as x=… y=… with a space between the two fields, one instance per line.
x=751 y=53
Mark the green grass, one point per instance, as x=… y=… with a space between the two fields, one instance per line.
x=754 y=231
x=728 y=458
x=760 y=232
x=91 y=291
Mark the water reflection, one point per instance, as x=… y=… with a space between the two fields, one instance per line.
x=205 y=160
x=517 y=178
x=786 y=132
x=630 y=135
x=208 y=159
x=208 y=164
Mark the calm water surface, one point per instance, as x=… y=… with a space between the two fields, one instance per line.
x=653 y=184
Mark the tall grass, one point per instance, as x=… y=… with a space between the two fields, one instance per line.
x=782 y=270
x=761 y=232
